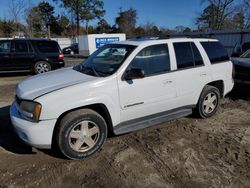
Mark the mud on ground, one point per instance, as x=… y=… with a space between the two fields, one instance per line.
x=187 y=152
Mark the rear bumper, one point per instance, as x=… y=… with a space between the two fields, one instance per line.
x=57 y=65
x=35 y=134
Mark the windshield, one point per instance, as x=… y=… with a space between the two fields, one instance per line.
x=246 y=54
x=106 y=60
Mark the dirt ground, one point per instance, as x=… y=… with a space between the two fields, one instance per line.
x=187 y=152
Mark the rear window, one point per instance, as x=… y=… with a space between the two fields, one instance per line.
x=215 y=51
x=48 y=46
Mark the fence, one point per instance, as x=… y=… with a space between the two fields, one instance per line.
x=230 y=39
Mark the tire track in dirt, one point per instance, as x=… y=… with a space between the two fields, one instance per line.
x=160 y=166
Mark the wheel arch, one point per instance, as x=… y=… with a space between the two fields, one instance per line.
x=219 y=84
x=99 y=108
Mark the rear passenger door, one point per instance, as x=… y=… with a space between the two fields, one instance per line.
x=155 y=92
x=191 y=74
x=23 y=55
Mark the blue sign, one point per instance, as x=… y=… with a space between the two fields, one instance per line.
x=99 y=42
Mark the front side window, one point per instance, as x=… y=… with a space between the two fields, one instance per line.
x=21 y=47
x=153 y=60
x=4 y=46
x=106 y=60
x=215 y=51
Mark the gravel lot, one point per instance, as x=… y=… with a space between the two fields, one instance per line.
x=187 y=152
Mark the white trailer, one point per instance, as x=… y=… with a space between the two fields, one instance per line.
x=90 y=43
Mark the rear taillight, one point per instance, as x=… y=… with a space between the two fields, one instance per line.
x=60 y=56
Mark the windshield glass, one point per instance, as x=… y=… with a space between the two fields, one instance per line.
x=106 y=60
x=246 y=54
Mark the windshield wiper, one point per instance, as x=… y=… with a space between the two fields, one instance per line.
x=96 y=73
x=90 y=68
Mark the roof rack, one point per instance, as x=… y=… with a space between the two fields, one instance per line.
x=160 y=37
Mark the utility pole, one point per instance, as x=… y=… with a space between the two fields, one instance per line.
x=49 y=36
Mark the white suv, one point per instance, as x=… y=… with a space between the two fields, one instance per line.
x=122 y=87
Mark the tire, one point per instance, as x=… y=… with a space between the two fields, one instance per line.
x=81 y=133
x=42 y=67
x=208 y=103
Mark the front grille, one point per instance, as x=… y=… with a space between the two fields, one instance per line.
x=242 y=73
x=241 y=69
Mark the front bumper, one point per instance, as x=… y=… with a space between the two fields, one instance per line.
x=35 y=134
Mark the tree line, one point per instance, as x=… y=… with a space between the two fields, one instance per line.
x=43 y=21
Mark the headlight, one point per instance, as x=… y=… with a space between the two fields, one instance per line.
x=30 y=110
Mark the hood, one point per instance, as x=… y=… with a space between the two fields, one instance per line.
x=245 y=62
x=38 y=85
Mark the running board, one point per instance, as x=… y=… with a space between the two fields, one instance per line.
x=145 y=122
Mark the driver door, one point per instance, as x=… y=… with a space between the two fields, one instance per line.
x=154 y=93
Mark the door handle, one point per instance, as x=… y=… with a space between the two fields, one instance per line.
x=167 y=82
x=203 y=74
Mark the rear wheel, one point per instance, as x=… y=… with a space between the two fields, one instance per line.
x=209 y=102
x=42 y=67
x=81 y=133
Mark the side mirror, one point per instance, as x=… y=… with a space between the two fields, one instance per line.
x=134 y=73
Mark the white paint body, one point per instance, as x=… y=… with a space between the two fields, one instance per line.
x=65 y=89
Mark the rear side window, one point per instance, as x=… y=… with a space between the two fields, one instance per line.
x=184 y=56
x=47 y=46
x=215 y=51
x=4 y=46
x=187 y=55
x=153 y=60
x=21 y=47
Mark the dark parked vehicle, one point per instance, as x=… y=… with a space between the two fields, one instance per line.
x=242 y=68
x=72 y=49
x=38 y=55
x=240 y=49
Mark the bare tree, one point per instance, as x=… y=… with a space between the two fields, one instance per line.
x=219 y=11
x=16 y=8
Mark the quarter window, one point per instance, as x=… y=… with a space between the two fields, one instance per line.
x=21 y=46
x=48 y=47
x=215 y=51
x=153 y=60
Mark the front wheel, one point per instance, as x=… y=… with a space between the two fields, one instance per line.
x=81 y=133
x=208 y=103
